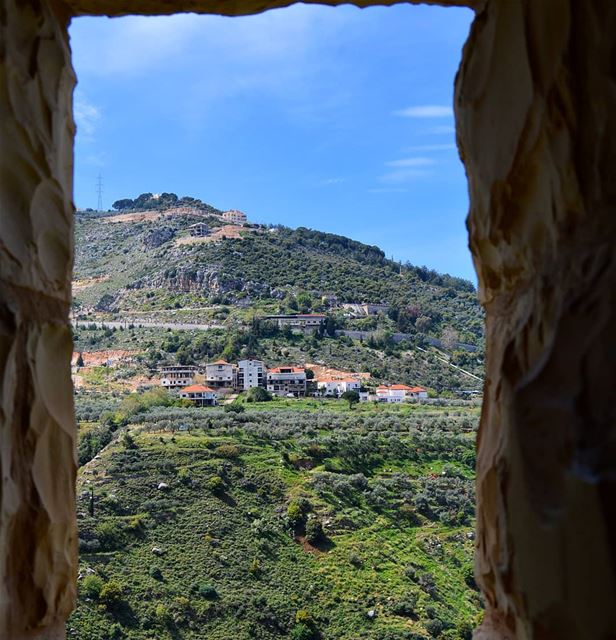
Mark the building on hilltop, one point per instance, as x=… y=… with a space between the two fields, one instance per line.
x=287 y=381
x=299 y=322
x=199 y=230
x=235 y=216
x=200 y=395
x=220 y=374
x=176 y=377
x=249 y=374
x=400 y=393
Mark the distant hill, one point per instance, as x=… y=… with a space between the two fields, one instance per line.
x=149 y=261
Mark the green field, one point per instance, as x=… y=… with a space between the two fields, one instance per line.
x=291 y=519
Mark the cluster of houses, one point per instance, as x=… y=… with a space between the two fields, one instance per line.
x=233 y=216
x=205 y=385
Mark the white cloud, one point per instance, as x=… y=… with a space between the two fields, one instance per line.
x=87 y=116
x=430 y=147
x=404 y=175
x=411 y=162
x=426 y=111
x=330 y=181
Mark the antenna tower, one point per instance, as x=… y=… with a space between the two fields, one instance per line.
x=99 y=192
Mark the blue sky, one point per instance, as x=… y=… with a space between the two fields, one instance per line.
x=337 y=119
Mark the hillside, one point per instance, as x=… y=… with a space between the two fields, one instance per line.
x=300 y=521
x=152 y=264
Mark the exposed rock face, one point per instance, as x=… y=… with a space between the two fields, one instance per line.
x=536 y=113
x=158 y=237
x=38 y=549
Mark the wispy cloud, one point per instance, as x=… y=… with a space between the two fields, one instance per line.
x=87 y=117
x=426 y=111
x=330 y=181
x=411 y=162
x=430 y=147
x=404 y=175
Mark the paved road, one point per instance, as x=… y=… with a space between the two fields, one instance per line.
x=135 y=322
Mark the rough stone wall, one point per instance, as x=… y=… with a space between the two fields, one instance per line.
x=228 y=7
x=536 y=114
x=37 y=430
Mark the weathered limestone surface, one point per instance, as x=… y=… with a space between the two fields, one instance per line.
x=536 y=112
x=37 y=431
x=227 y=7
x=536 y=115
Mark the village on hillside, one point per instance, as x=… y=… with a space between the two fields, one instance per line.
x=206 y=385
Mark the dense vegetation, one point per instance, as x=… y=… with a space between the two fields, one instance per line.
x=141 y=266
x=300 y=521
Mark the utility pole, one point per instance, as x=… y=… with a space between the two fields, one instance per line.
x=99 y=191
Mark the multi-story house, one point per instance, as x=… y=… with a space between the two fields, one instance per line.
x=250 y=373
x=199 y=230
x=287 y=381
x=177 y=377
x=199 y=395
x=235 y=216
x=331 y=387
x=219 y=374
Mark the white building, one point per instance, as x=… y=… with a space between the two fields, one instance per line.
x=300 y=322
x=286 y=381
x=235 y=216
x=250 y=373
x=400 y=393
x=200 y=395
x=331 y=387
x=177 y=377
x=219 y=374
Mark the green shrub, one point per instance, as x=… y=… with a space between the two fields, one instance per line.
x=215 y=484
x=207 y=591
x=234 y=408
x=111 y=593
x=111 y=535
x=91 y=586
x=302 y=632
x=258 y=394
x=314 y=531
x=156 y=573
x=229 y=451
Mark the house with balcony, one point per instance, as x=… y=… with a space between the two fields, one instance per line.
x=200 y=395
x=199 y=230
x=219 y=374
x=235 y=217
x=250 y=373
x=287 y=381
x=176 y=377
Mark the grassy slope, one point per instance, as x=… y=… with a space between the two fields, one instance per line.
x=387 y=542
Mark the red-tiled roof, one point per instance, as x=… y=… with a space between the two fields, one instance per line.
x=290 y=370
x=220 y=362
x=197 y=388
x=400 y=387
